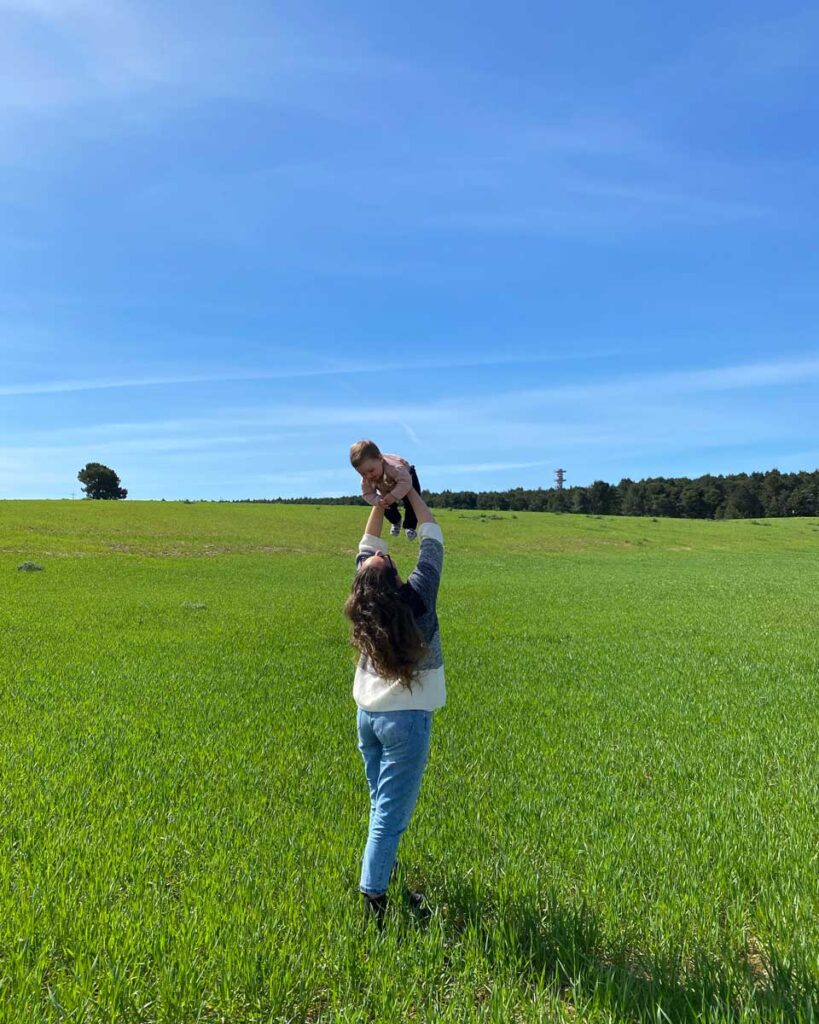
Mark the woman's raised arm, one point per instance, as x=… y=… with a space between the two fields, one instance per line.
x=375 y=521
x=420 y=507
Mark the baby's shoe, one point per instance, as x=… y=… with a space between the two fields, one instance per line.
x=411 y=534
x=395 y=530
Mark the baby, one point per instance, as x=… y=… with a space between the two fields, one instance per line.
x=385 y=480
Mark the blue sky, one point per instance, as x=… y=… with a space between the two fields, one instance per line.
x=497 y=239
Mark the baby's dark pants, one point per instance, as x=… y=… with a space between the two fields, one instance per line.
x=393 y=513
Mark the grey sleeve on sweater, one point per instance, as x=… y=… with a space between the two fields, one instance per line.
x=426 y=576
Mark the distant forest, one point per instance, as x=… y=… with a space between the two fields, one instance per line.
x=741 y=496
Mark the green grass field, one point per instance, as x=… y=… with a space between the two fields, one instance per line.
x=619 y=822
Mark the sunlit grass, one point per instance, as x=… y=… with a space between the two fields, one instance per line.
x=619 y=820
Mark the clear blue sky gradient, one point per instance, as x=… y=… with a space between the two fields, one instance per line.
x=497 y=239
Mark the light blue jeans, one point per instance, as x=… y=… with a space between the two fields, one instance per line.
x=395 y=747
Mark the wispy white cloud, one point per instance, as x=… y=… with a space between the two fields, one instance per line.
x=459 y=408
x=80 y=51
x=515 y=181
x=596 y=209
x=480 y=410
x=411 y=433
x=672 y=201
x=309 y=478
x=777 y=374
x=607 y=410
x=347 y=369
x=761 y=53
x=581 y=176
x=100 y=444
x=484 y=467
x=99 y=53
x=108 y=383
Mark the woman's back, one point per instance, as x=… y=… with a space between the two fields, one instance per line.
x=428 y=689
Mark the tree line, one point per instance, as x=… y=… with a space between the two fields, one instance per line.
x=739 y=496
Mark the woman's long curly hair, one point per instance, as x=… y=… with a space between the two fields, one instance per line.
x=384 y=627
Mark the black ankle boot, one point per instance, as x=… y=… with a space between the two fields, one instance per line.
x=417 y=903
x=375 y=908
